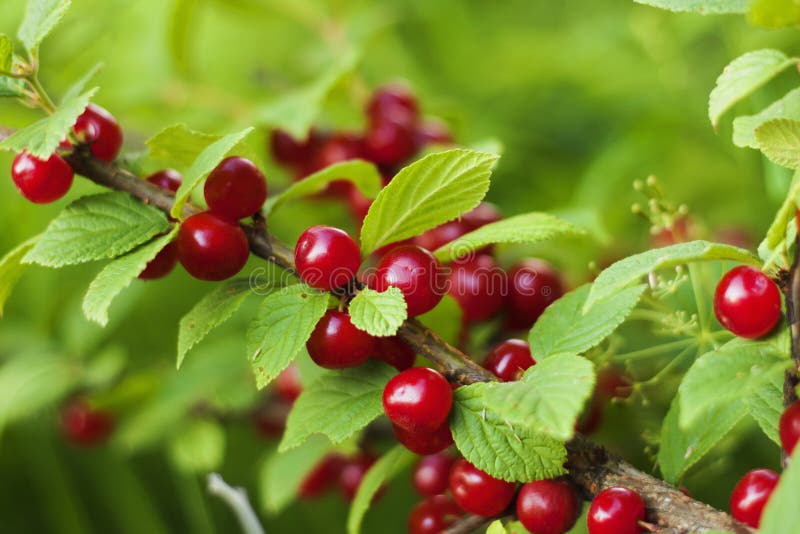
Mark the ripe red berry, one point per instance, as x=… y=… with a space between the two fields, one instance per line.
x=162 y=264
x=789 y=427
x=353 y=473
x=338 y=148
x=269 y=423
x=210 y=248
x=101 y=132
x=533 y=286
x=287 y=384
x=751 y=494
x=235 y=189
x=326 y=257
x=84 y=425
x=389 y=142
x=413 y=270
x=442 y=234
x=484 y=214
x=613 y=383
x=616 y=511
x=41 y=181
x=433 y=515
x=509 y=360
x=477 y=492
x=477 y=285
x=418 y=400
x=167 y=179
x=395 y=352
x=433 y=132
x=323 y=477
x=393 y=102
x=547 y=506
x=336 y=343
x=432 y=474
x=425 y=442
x=747 y=302
x=289 y=151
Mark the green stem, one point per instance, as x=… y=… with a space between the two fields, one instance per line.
x=47 y=103
x=700 y=302
x=655 y=350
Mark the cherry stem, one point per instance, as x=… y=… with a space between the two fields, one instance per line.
x=236 y=499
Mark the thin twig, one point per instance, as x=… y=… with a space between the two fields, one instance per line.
x=236 y=499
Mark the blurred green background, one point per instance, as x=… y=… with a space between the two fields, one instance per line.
x=585 y=96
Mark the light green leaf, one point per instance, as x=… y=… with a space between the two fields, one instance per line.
x=41 y=16
x=204 y=164
x=517 y=454
x=496 y=527
x=427 y=193
x=198 y=447
x=379 y=314
x=97 y=227
x=79 y=86
x=744 y=127
x=179 y=144
x=564 y=327
x=781 y=510
x=629 y=270
x=774 y=13
x=11 y=87
x=386 y=468
x=704 y=7
x=284 y=323
x=6 y=53
x=526 y=228
x=779 y=140
x=765 y=404
x=11 y=268
x=281 y=474
x=362 y=174
x=776 y=233
x=212 y=310
x=118 y=275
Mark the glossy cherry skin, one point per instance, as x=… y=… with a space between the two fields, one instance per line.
x=323 y=477
x=432 y=132
x=547 y=506
x=162 y=264
x=393 y=102
x=418 y=400
x=84 y=425
x=789 y=427
x=432 y=474
x=477 y=285
x=235 y=189
x=477 y=492
x=533 y=286
x=336 y=343
x=395 y=352
x=747 y=302
x=433 y=515
x=287 y=384
x=326 y=257
x=390 y=142
x=166 y=179
x=616 y=511
x=101 y=132
x=509 y=360
x=41 y=181
x=353 y=473
x=751 y=494
x=425 y=442
x=415 y=272
x=211 y=248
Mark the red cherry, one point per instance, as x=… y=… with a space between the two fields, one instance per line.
x=41 y=181
x=442 y=234
x=679 y=233
x=534 y=285
x=433 y=132
x=433 y=515
x=162 y=264
x=432 y=474
x=477 y=286
x=389 y=142
x=323 y=477
x=269 y=423
x=356 y=202
x=734 y=235
x=509 y=360
x=751 y=494
x=789 y=427
x=353 y=473
x=395 y=352
x=235 y=189
x=336 y=149
x=289 y=151
x=288 y=385
x=613 y=383
x=166 y=179
x=747 y=302
x=413 y=270
x=477 y=492
x=84 y=425
x=101 y=132
x=336 y=343
x=425 y=442
x=393 y=102
x=326 y=257
x=547 y=506
x=616 y=511
x=210 y=248
x=418 y=400
x=484 y=214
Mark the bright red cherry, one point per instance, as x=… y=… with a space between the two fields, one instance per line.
x=418 y=400
x=432 y=474
x=751 y=494
x=442 y=234
x=84 y=425
x=211 y=248
x=353 y=473
x=433 y=515
x=39 y=180
x=425 y=442
x=533 y=286
x=789 y=427
x=433 y=132
x=101 y=132
x=395 y=352
x=509 y=360
x=323 y=477
x=326 y=257
x=477 y=285
x=389 y=142
x=747 y=302
x=162 y=264
x=166 y=179
x=616 y=511
x=477 y=492
x=393 y=102
x=235 y=189
x=413 y=270
x=336 y=343
x=288 y=385
x=547 y=506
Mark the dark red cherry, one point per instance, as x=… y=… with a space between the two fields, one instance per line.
x=477 y=492
x=289 y=151
x=211 y=248
x=84 y=425
x=477 y=285
x=269 y=423
x=616 y=511
x=547 y=506
x=39 y=180
x=167 y=179
x=747 y=302
x=509 y=360
x=432 y=474
x=336 y=343
x=101 y=132
x=433 y=515
x=415 y=272
x=326 y=257
x=484 y=214
x=425 y=442
x=162 y=264
x=323 y=477
x=418 y=400
x=442 y=234
x=353 y=473
x=613 y=383
x=432 y=132
x=751 y=494
x=395 y=352
x=393 y=102
x=235 y=189
x=533 y=286
x=287 y=384
x=389 y=142
x=592 y=416
x=789 y=427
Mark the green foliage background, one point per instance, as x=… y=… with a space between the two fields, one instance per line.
x=585 y=96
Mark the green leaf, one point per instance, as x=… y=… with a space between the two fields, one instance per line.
x=118 y=275
x=765 y=404
x=704 y=7
x=179 y=144
x=427 y=193
x=781 y=510
x=564 y=327
x=212 y=310
x=362 y=174
x=97 y=227
x=199 y=447
x=279 y=332
x=281 y=474
x=744 y=127
x=204 y=164
x=779 y=140
x=379 y=314
x=6 y=53
x=386 y=468
x=776 y=233
x=517 y=454
x=42 y=137
x=11 y=87
x=11 y=268
x=338 y=404
x=41 y=16
x=79 y=86
x=496 y=527
x=774 y=13
x=526 y=228
x=629 y=270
